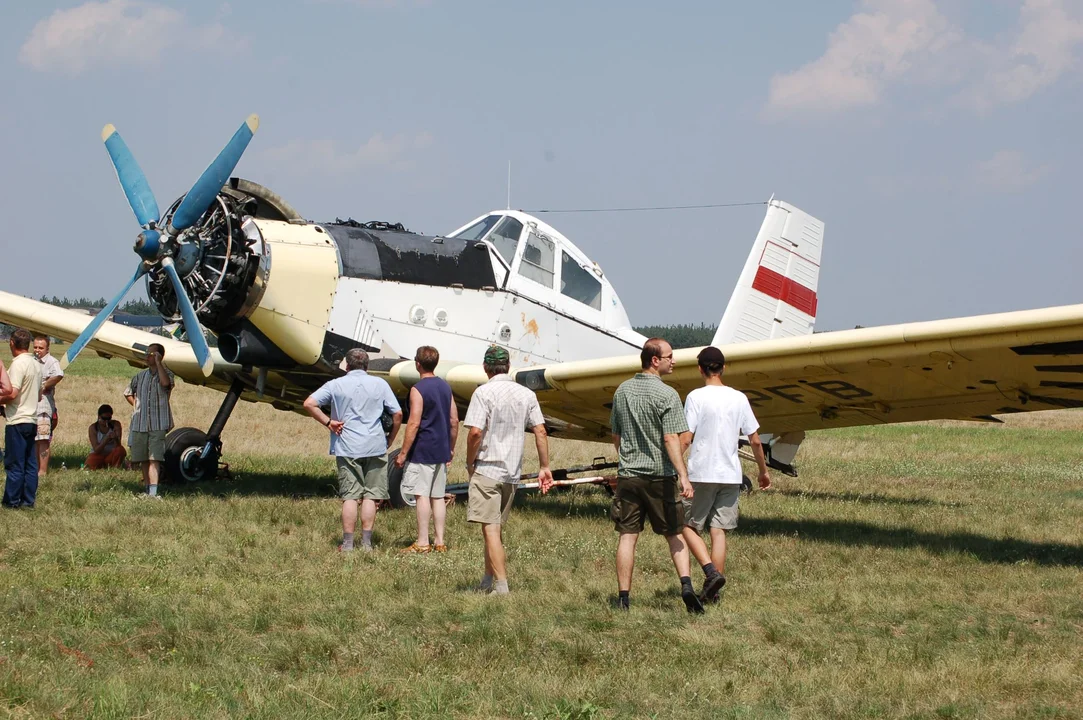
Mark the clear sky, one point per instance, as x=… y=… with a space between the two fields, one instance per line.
x=939 y=141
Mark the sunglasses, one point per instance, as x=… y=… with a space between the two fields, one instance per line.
x=105 y=417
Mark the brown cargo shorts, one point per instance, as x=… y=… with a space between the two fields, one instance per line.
x=638 y=499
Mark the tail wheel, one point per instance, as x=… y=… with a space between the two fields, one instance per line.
x=394 y=483
x=184 y=461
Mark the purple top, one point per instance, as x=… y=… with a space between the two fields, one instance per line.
x=433 y=442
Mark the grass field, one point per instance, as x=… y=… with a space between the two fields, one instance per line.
x=917 y=571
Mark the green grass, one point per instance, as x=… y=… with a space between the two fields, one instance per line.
x=910 y=572
x=918 y=571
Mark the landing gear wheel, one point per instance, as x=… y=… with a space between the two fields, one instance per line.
x=399 y=499
x=183 y=464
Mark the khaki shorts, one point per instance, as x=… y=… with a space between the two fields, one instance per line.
x=713 y=506
x=425 y=479
x=45 y=427
x=638 y=499
x=147 y=445
x=490 y=500
x=362 y=478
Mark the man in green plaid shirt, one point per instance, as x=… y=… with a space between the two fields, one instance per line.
x=647 y=422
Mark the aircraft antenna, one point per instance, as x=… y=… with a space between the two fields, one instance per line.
x=509 y=185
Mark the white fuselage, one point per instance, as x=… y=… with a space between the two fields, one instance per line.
x=549 y=303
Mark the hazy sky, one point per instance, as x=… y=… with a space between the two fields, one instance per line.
x=939 y=141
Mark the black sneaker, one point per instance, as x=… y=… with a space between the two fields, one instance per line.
x=691 y=601
x=712 y=585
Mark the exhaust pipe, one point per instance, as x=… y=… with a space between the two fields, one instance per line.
x=244 y=344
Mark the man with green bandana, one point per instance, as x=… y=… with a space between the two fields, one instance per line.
x=500 y=411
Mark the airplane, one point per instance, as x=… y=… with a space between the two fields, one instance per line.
x=287 y=298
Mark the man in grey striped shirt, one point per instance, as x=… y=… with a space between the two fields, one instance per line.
x=148 y=393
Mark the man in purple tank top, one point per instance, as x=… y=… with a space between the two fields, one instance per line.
x=427 y=449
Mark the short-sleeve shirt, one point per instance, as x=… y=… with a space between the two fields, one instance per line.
x=25 y=374
x=645 y=409
x=358 y=400
x=151 y=411
x=50 y=368
x=719 y=416
x=503 y=410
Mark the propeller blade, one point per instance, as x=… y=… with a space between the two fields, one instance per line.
x=207 y=187
x=90 y=330
x=131 y=178
x=191 y=322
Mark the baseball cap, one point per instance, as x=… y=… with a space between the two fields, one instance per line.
x=496 y=355
x=711 y=355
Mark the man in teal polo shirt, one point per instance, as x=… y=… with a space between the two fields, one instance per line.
x=357 y=402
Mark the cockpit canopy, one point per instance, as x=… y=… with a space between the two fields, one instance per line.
x=530 y=254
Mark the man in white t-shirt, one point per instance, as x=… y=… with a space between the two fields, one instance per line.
x=717 y=418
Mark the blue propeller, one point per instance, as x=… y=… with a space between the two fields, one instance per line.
x=131 y=177
x=157 y=247
x=101 y=317
x=210 y=183
x=199 y=343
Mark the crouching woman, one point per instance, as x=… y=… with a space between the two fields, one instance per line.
x=107 y=450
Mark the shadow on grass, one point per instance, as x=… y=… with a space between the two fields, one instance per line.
x=291 y=485
x=316 y=484
x=858 y=534
x=564 y=504
x=863 y=498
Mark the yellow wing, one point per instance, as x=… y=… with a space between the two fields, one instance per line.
x=113 y=339
x=966 y=368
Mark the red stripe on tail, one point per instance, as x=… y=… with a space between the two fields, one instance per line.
x=782 y=288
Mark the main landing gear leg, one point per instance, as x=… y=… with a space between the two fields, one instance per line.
x=191 y=455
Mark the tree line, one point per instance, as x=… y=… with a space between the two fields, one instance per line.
x=131 y=307
x=681 y=336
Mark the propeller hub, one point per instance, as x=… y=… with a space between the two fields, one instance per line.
x=148 y=244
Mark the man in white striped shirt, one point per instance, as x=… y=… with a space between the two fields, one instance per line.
x=148 y=393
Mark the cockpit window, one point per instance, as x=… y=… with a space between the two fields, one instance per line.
x=505 y=238
x=579 y=283
x=538 y=259
x=477 y=230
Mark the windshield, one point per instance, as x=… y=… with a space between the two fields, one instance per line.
x=479 y=229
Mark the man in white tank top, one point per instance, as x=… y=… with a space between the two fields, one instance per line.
x=717 y=418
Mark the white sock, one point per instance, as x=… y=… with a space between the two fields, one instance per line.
x=500 y=587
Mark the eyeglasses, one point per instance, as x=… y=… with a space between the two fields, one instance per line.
x=666 y=357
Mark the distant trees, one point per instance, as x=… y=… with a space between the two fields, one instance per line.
x=681 y=336
x=132 y=307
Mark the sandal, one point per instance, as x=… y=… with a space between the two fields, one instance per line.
x=416 y=549
x=440 y=548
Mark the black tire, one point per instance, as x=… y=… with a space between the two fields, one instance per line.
x=394 y=483
x=182 y=463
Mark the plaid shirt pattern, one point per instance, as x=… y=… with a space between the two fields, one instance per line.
x=644 y=410
x=503 y=409
x=151 y=411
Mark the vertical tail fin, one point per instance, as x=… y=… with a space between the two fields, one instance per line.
x=776 y=293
